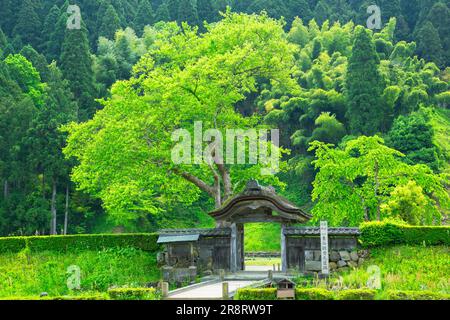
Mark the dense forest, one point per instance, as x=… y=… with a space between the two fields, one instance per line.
x=363 y=114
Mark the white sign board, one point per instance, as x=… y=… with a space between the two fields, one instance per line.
x=324 y=246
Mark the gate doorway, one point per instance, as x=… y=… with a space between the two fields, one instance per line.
x=262 y=247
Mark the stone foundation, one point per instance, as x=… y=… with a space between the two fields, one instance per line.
x=338 y=259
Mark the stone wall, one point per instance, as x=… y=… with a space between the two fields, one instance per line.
x=338 y=259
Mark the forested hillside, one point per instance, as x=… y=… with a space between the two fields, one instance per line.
x=380 y=97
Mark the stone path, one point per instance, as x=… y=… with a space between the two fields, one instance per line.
x=210 y=290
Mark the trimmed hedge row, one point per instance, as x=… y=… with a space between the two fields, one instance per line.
x=313 y=294
x=256 y=294
x=349 y=294
x=417 y=295
x=146 y=242
x=306 y=294
x=385 y=233
x=133 y=294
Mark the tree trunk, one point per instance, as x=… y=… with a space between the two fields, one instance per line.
x=43 y=185
x=53 y=209
x=5 y=189
x=377 y=186
x=66 y=213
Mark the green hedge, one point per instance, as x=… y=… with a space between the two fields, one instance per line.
x=133 y=294
x=256 y=294
x=416 y=295
x=313 y=294
x=385 y=233
x=146 y=242
x=356 y=294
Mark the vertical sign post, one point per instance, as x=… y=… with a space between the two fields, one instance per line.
x=324 y=247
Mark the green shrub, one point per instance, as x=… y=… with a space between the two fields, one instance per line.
x=133 y=294
x=98 y=296
x=356 y=294
x=375 y=234
x=256 y=294
x=313 y=294
x=416 y=295
x=145 y=242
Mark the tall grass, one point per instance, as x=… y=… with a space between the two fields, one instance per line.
x=29 y=274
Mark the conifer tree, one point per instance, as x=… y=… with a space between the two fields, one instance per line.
x=110 y=23
x=429 y=44
x=162 y=13
x=365 y=86
x=28 y=26
x=76 y=66
x=144 y=16
x=187 y=12
x=49 y=27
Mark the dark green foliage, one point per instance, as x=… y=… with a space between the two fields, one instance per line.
x=187 y=12
x=133 y=294
x=416 y=295
x=28 y=26
x=439 y=16
x=413 y=136
x=313 y=294
x=365 y=85
x=256 y=294
x=429 y=44
x=73 y=243
x=76 y=65
x=356 y=294
x=375 y=234
x=144 y=16
x=321 y=12
x=162 y=13
x=110 y=23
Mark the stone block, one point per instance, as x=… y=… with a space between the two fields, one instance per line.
x=309 y=255
x=344 y=255
x=313 y=265
x=317 y=255
x=334 y=256
x=333 y=265
x=341 y=263
x=354 y=256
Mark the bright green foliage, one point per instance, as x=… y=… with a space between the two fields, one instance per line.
x=313 y=294
x=366 y=110
x=407 y=203
x=73 y=243
x=133 y=294
x=416 y=295
x=125 y=151
x=256 y=294
x=353 y=181
x=30 y=275
x=385 y=233
x=357 y=294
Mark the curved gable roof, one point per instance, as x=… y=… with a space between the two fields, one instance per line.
x=258 y=200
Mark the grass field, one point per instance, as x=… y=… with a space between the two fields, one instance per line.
x=401 y=268
x=22 y=275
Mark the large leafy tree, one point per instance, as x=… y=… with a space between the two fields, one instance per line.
x=354 y=181
x=125 y=151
